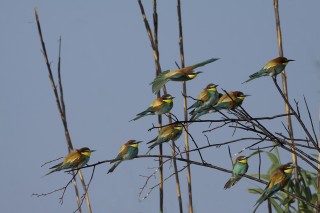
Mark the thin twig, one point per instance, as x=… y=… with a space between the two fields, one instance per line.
x=60 y=109
x=310 y=118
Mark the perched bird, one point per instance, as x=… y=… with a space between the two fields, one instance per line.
x=229 y=101
x=207 y=97
x=167 y=133
x=278 y=180
x=272 y=68
x=240 y=167
x=74 y=160
x=184 y=74
x=159 y=106
x=128 y=151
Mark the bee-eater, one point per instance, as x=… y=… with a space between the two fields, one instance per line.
x=184 y=74
x=159 y=106
x=207 y=97
x=278 y=180
x=74 y=160
x=272 y=68
x=229 y=101
x=167 y=133
x=240 y=167
x=128 y=151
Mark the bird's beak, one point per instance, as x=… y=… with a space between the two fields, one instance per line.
x=138 y=142
x=246 y=95
x=290 y=60
x=199 y=72
x=92 y=150
x=173 y=97
x=217 y=85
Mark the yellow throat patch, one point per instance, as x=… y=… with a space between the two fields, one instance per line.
x=288 y=171
x=168 y=101
x=241 y=98
x=192 y=75
x=178 y=128
x=243 y=161
x=135 y=145
x=86 y=153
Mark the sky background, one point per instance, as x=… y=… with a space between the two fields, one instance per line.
x=107 y=65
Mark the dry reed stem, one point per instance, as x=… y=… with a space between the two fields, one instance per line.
x=61 y=109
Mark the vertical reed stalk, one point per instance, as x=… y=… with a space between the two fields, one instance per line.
x=61 y=108
x=184 y=88
x=285 y=89
x=158 y=70
x=154 y=44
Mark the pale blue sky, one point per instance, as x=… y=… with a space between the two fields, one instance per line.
x=107 y=65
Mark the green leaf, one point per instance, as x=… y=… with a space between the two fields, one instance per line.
x=273 y=158
x=287 y=200
x=277 y=154
x=255 y=190
x=276 y=206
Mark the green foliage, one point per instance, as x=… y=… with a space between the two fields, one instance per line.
x=306 y=188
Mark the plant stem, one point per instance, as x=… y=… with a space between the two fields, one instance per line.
x=61 y=108
x=285 y=89
x=184 y=86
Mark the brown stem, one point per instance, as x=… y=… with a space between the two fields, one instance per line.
x=154 y=44
x=269 y=206
x=285 y=90
x=61 y=108
x=158 y=70
x=184 y=88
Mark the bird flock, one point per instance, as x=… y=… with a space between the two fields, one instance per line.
x=208 y=101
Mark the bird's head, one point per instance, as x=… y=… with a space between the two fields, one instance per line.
x=133 y=143
x=242 y=159
x=283 y=60
x=193 y=74
x=287 y=168
x=178 y=127
x=241 y=95
x=167 y=98
x=86 y=151
x=212 y=87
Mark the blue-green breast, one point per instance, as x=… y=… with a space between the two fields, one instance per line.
x=132 y=152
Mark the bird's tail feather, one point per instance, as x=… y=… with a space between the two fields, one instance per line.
x=262 y=198
x=52 y=171
x=194 y=116
x=153 y=140
x=140 y=115
x=151 y=147
x=229 y=183
x=190 y=107
x=56 y=166
x=114 y=166
x=250 y=79
x=254 y=76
